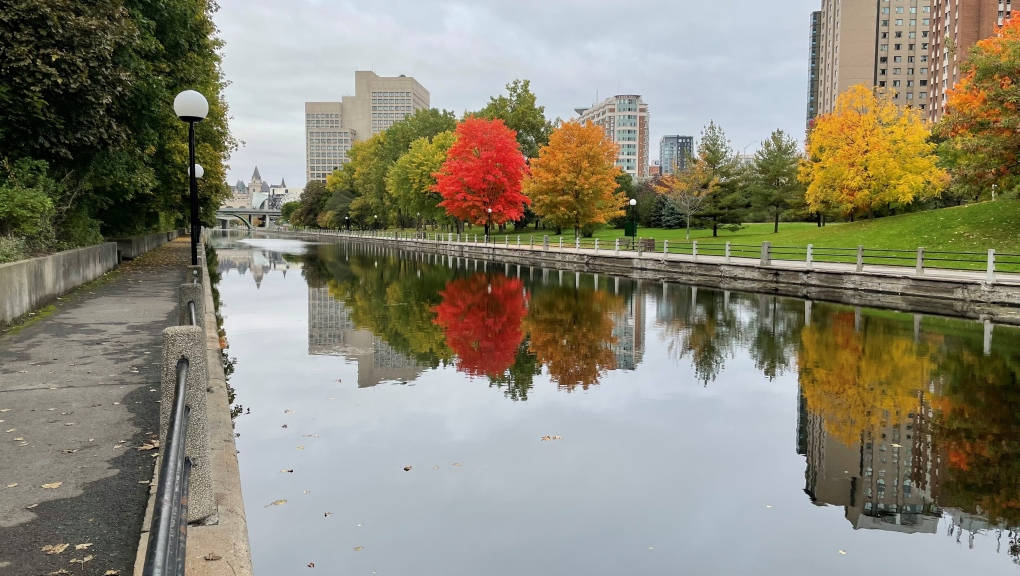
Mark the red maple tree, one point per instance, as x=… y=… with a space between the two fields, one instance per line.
x=480 y=181
x=482 y=318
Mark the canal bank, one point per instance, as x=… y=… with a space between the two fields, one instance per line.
x=960 y=293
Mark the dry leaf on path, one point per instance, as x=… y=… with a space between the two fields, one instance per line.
x=111 y=573
x=212 y=557
x=145 y=447
x=60 y=572
x=82 y=560
x=12 y=485
x=52 y=485
x=84 y=546
x=51 y=549
x=276 y=503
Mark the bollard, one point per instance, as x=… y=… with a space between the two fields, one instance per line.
x=991 y=267
x=617 y=246
x=189 y=342
x=766 y=254
x=920 y=261
x=860 y=258
x=727 y=252
x=810 y=255
x=190 y=293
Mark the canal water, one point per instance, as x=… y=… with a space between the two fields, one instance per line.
x=402 y=414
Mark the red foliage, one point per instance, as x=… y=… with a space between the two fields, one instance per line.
x=483 y=170
x=482 y=320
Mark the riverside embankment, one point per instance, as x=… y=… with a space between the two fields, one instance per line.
x=962 y=293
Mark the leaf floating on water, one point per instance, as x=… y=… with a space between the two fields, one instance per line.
x=309 y=435
x=212 y=556
x=842 y=552
x=327 y=514
x=52 y=485
x=300 y=447
x=288 y=411
x=407 y=468
x=359 y=548
x=51 y=549
x=436 y=467
x=284 y=426
x=84 y=546
x=456 y=464
x=311 y=564
x=546 y=438
x=288 y=470
x=895 y=445
x=276 y=503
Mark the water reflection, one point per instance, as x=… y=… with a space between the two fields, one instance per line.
x=909 y=424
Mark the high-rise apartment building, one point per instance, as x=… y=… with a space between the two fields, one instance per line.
x=956 y=25
x=878 y=43
x=624 y=119
x=816 y=32
x=332 y=127
x=674 y=152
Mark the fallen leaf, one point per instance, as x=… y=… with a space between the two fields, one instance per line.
x=84 y=546
x=407 y=468
x=359 y=548
x=288 y=411
x=52 y=485
x=309 y=435
x=276 y=503
x=30 y=506
x=212 y=557
x=145 y=447
x=327 y=514
x=842 y=552
x=288 y=470
x=457 y=464
x=12 y=485
x=111 y=573
x=19 y=439
x=11 y=430
x=60 y=572
x=52 y=549
x=894 y=445
x=436 y=467
x=284 y=426
x=300 y=447
x=311 y=564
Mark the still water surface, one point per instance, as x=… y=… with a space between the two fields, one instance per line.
x=559 y=423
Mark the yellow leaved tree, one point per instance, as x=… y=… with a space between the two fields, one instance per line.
x=573 y=181
x=868 y=154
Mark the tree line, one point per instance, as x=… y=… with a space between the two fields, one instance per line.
x=89 y=143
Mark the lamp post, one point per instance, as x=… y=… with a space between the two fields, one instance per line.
x=633 y=218
x=994 y=186
x=192 y=107
x=375 y=221
x=488 y=221
x=347 y=223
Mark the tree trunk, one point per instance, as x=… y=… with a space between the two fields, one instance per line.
x=715 y=228
x=688 y=225
x=776 y=229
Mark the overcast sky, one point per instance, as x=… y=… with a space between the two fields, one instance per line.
x=742 y=63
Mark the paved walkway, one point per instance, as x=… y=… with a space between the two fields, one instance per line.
x=79 y=393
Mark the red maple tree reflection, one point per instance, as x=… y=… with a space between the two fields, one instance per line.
x=482 y=318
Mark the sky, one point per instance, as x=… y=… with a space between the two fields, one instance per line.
x=741 y=63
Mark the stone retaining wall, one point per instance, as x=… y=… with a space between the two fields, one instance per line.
x=135 y=246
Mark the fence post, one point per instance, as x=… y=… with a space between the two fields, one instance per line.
x=596 y=244
x=577 y=242
x=532 y=241
x=991 y=266
x=518 y=240
x=545 y=241
x=639 y=247
x=920 y=260
x=476 y=239
x=617 y=245
x=694 y=250
x=665 y=248
x=810 y=255
x=860 y=258
x=561 y=242
x=766 y=254
x=189 y=342
x=727 y=252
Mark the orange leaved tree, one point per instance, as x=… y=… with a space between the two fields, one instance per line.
x=867 y=154
x=480 y=181
x=573 y=180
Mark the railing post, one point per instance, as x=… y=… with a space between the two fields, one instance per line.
x=561 y=242
x=506 y=241
x=596 y=244
x=545 y=241
x=189 y=342
x=190 y=293
x=766 y=254
x=860 y=258
x=639 y=247
x=727 y=252
x=810 y=256
x=532 y=241
x=617 y=248
x=991 y=267
x=518 y=240
x=665 y=248
x=577 y=243
x=694 y=250
x=920 y=261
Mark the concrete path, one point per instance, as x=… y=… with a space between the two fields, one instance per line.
x=79 y=393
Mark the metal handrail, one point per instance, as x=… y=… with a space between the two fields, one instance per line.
x=191 y=311
x=165 y=554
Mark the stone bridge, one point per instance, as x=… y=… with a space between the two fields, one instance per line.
x=251 y=217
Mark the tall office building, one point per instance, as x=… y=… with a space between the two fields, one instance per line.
x=816 y=33
x=878 y=43
x=326 y=140
x=674 y=152
x=956 y=26
x=624 y=119
x=332 y=127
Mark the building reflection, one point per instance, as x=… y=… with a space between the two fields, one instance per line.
x=259 y=263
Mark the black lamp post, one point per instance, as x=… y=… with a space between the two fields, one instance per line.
x=191 y=107
x=488 y=222
x=633 y=218
x=347 y=223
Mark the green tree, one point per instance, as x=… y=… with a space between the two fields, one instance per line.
x=411 y=179
x=519 y=111
x=288 y=209
x=773 y=177
x=313 y=201
x=726 y=203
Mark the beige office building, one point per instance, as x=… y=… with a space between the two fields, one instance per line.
x=956 y=26
x=332 y=127
x=878 y=43
x=624 y=119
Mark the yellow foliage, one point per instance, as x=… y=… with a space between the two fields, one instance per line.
x=867 y=154
x=573 y=180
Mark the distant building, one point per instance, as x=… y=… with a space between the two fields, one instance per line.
x=624 y=119
x=674 y=152
x=813 y=59
x=879 y=43
x=260 y=194
x=654 y=170
x=332 y=127
x=956 y=26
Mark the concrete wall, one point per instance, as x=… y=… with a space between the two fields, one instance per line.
x=135 y=246
x=29 y=284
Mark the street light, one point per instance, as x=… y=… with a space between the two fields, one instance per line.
x=488 y=221
x=633 y=218
x=191 y=107
x=199 y=171
x=347 y=223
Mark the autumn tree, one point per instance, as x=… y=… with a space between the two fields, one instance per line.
x=773 y=176
x=573 y=182
x=869 y=154
x=480 y=181
x=411 y=181
x=481 y=317
x=520 y=112
x=690 y=188
x=982 y=121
